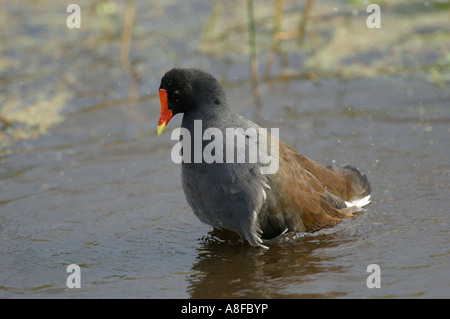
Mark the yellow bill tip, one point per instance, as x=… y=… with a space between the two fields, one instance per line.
x=160 y=128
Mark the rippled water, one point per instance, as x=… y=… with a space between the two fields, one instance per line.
x=103 y=193
x=100 y=190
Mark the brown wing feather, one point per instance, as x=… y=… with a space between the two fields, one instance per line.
x=346 y=182
x=301 y=196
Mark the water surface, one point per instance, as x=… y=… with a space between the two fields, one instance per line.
x=99 y=189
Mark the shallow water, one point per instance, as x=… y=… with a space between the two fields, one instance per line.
x=113 y=204
x=100 y=190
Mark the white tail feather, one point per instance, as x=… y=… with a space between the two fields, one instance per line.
x=360 y=203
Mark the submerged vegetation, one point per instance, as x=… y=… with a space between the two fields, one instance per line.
x=122 y=48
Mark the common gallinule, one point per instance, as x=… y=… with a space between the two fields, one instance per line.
x=300 y=195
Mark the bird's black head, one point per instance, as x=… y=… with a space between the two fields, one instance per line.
x=183 y=90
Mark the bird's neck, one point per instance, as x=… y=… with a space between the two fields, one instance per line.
x=211 y=114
